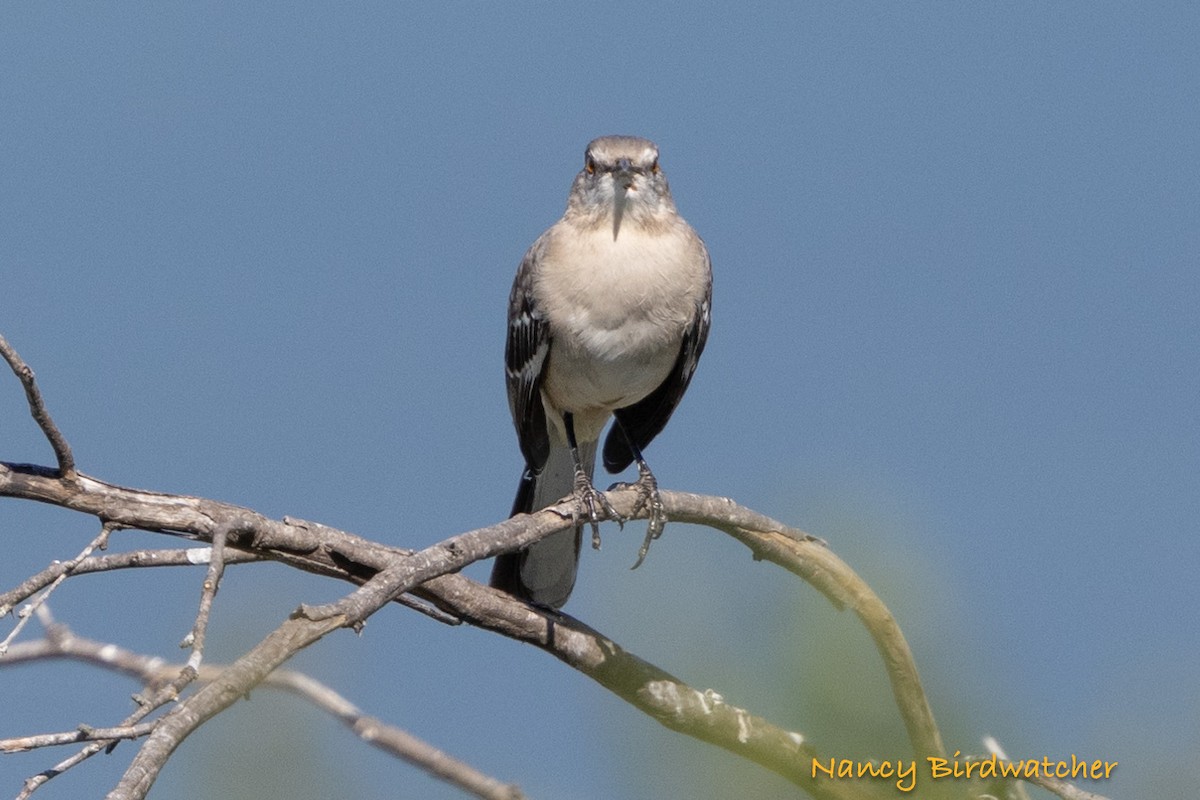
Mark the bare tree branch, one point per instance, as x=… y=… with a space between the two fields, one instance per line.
x=34 y=782
x=310 y=624
x=61 y=643
x=809 y=558
x=325 y=550
x=244 y=674
x=99 y=542
x=84 y=733
x=767 y=538
x=208 y=592
x=184 y=557
x=385 y=574
x=1016 y=789
x=393 y=740
x=62 y=451
x=133 y=559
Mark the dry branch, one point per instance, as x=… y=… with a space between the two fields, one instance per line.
x=37 y=408
x=385 y=574
x=325 y=550
x=62 y=643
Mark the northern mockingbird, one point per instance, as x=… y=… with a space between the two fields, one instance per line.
x=608 y=316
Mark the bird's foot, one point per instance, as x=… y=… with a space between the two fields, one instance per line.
x=592 y=505
x=649 y=499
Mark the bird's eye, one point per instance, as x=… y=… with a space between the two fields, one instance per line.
x=589 y=164
x=654 y=167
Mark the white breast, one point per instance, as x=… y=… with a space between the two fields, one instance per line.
x=618 y=310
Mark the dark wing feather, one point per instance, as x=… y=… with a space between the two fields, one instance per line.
x=524 y=361
x=643 y=420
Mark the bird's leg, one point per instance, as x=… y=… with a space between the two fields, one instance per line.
x=648 y=498
x=587 y=497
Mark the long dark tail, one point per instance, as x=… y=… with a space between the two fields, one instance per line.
x=544 y=573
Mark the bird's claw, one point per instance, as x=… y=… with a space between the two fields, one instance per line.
x=649 y=499
x=593 y=505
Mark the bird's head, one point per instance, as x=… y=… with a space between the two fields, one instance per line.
x=620 y=181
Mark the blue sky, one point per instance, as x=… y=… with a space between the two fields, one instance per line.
x=262 y=252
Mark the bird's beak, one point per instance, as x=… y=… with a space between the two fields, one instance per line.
x=624 y=175
x=623 y=180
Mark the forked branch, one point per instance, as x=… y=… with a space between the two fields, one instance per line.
x=385 y=574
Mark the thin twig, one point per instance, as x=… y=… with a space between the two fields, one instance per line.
x=34 y=782
x=1012 y=790
x=184 y=557
x=1050 y=783
x=132 y=559
x=208 y=592
x=100 y=542
x=394 y=740
x=61 y=643
x=83 y=733
x=244 y=674
x=62 y=450
x=163 y=693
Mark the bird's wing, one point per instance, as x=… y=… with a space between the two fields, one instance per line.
x=525 y=353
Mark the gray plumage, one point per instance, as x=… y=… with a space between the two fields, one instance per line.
x=608 y=315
